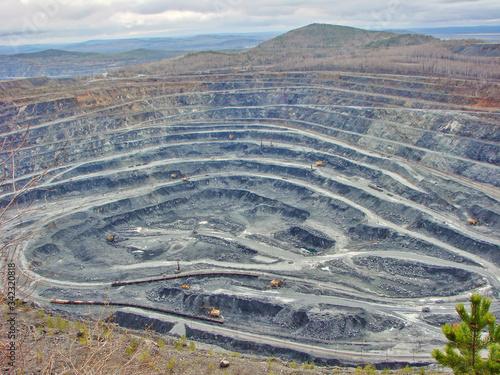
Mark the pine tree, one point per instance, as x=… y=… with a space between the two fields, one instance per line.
x=466 y=340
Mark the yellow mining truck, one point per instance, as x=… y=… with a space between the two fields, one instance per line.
x=473 y=221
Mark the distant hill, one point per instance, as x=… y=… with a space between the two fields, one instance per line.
x=490 y=34
x=100 y=56
x=401 y=40
x=340 y=48
x=214 y=42
x=479 y=49
x=52 y=53
x=195 y=43
x=136 y=54
x=58 y=63
x=326 y=36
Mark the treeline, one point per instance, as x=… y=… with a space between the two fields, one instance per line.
x=434 y=58
x=425 y=59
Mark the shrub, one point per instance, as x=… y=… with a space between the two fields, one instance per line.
x=369 y=370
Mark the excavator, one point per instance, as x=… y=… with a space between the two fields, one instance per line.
x=185 y=178
x=277 y=283
x=319 y=163
x=212 y=311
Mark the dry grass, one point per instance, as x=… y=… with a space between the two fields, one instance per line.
x=48 y=343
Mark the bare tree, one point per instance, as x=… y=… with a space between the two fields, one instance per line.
x=16 y=186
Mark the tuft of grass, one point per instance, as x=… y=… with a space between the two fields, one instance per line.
x=171 y=364
x=134 y=344
x=145 y=357
x=161 y=343
x=178 y=345
x=181 y=343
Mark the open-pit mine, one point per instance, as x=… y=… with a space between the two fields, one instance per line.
x=313 y=215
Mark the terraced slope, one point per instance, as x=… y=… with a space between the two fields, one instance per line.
x=356 y=189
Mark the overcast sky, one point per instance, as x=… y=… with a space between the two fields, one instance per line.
x=55 y=21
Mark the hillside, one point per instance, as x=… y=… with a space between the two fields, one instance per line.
x=479 y=49
x=338 y=48
x=325 y=36
x=57 y=343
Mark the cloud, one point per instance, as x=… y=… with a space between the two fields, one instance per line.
x=60 y=20
x=130 y=19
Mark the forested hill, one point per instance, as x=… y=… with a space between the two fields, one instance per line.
x=340 y=48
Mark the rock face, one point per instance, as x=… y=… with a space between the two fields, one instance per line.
x=220 y=171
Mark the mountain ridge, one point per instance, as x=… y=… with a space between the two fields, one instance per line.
x=191 y=43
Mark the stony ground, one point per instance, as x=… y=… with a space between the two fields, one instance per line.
x=355 y=188
x=49 y=343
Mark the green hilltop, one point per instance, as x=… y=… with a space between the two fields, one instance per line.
x=326 y=36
